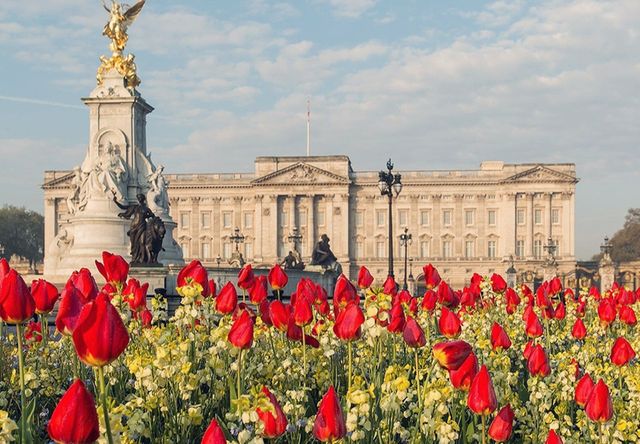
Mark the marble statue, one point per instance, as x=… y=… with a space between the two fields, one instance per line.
x=157 y=195
x=109 y=173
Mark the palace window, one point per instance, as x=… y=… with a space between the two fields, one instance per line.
x=381 y=218
x=302 y=215
x=185 y=220
x=402 y=218
x=555 y=216
x=491 y=249
x=447 y=249
x=284 y=218
x=359 y=218
x=520 y=216
x=469 y=216
x=248 y=250
x=469 y=249
x=537 y=216
x=359 y=252
x=205 y=220
x=185 y=249
x=205 y=250
x=248 y=220
x=446 y=218
x=226 y=219
x=320 y=218
x=491 y=217
x=520 y=248
x=381 y=250
x=424 y=218
x=424 y=249
x=537 y=248
x=226 y=250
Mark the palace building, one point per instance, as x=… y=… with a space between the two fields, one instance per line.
x=462 y=221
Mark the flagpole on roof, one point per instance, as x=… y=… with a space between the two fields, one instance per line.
x=308 y=127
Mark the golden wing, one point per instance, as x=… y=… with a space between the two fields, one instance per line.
x=104 y=5
x=133 y=12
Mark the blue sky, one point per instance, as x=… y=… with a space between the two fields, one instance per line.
x=435 y=84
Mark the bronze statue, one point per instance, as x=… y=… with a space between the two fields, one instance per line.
x=322 y=254
x=146 y=231
x=292 y=261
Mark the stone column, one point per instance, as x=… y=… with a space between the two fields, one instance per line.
x=257 y=229
x=607 y=272
x=195 y=227
x=328 y=216
x=530 y=221
x=436 y=223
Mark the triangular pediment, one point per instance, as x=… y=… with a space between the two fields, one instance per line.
x=541 y=173
x=64 y=179
x=301 y=173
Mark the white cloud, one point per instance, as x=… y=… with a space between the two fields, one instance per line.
x=351 y=8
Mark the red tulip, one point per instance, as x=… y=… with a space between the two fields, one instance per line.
x=344 y=294
x=69 y=310
x=329 y=424
x=498 y=284
x=431 y=276
x=138 y=300
x=499 y=337
x=553 y=438
x=482 y=398
x=214 y=434
x=429 y=300
x=114 y=269
x=581 y=308
x=579 y=331
x=45 y=295
x=584 y=388
x=445 y=294
x=85 y=283
x=75 y=419
x=622 y=352
x=100 y=335
x=302 y=312
x=390 y=286
x=212 y=288
x=258 y=291
x=275 y=424
x=227 y=299
x=146 y=317
x=348 y=322
x=4 y=269
x=241 y=333
x=599 y=407
x=627 y=315
x=193 y=275
x=449 y=324
x=463 y=376
x=560 y=312
x=502 y=425
x=364 y=278
x=413 y=334
x=279 y=314
x=16 y=303
x=606 y=312
x=533 y=326
x=277 y=277
x=512 y=299
x=542 y=296
x=538 y=363
x=450 y=355
x=397 y=319
x=246 y=277
x=33 y=332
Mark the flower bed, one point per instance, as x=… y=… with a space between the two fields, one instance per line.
x=486 y=363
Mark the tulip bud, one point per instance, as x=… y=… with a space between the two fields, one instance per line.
x=277 y=277
x=533 y=326
x=16 y=303
x=628 y=316
x=85 y=283
x=69 y=310
x=241 y=333
x=246 y=277
x=622 y=352
x=192 y=280
x=449 y=324
x=502 y=425
x=553 y=438
x=227 y=299
x=584 y=388
x=258 y=291
x=498 y=284
x=75 y=420
x=114 y=269
x=599 y=407
x=329 y=424
x=450 y=355
x=579 y=331
x=431 y=276
x=275 y=424
x=413 y=334
x=537 y=363
x=364 y=278
x=348 y=322
x=499 y=337
x=45 y=295
x=214 y=434
x=482 y=398
x=463 y=376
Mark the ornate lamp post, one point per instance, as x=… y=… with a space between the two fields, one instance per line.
x=218 y=260
x=390 y=184
x=606 y=248
x=511 y=273
x=551 y=250
x=237 y=238
x=295 y=237
x=405 y=241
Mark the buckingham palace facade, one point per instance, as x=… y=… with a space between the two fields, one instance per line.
x=462 y=221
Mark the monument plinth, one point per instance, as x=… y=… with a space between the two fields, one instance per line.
x=115 y=171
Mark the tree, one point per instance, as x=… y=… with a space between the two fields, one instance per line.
x=625 y=243
x=22 y=233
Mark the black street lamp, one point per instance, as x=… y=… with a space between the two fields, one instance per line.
x=606 y=248
x=390 y=184
x=237 y=238
x=551 y=249
x=295 y=237
x=511 y=273
x=405 y=241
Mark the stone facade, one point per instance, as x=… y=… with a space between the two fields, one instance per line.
x=461 y=221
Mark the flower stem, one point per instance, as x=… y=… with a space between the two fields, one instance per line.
x=105 y=409
x=349 y=352
x=484 y=426
x=239 y=373
x=44 y=326
x=418 y=380
x=304 y=359
x=23 y=431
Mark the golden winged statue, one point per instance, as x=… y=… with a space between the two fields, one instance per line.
x=121 y=16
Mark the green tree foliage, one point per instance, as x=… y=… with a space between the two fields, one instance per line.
x=625 y=243
x=22 y=233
